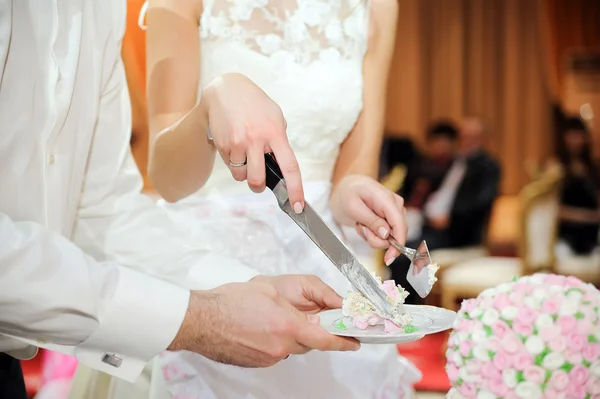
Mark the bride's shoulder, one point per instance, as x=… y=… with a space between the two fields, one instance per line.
x=383 y=19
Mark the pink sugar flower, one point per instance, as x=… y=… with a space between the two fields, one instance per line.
x=390 y=327
x=584 y=326
x=511 y=395
x=389 y=287
x=554 y=279
x=593 y=386
x=452 y=372
x=526 y=316
x=473 y=366
x=469 y=305
x=557 y=344
x=465 y=348
x=359 y=323
x=523 y=328
x=501 y=301
x=573 y=282
x=493 y=344
x=522 y=288
x=498 y=387
x=500 y=328
x=489 y=371
x=575 y=342
x=575 y=391
x=511 y=343
x=468 y=390
x=522 y=360
x=551 y=306
x=573 y=357
x=502 y=360
x=591 y=352
x=548 y=334
x=567 y=323
x=534 y=374
x=579 y=375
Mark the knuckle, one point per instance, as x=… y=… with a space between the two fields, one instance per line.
x=278 y=352
x=291 y=166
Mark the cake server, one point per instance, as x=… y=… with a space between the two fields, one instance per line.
x=419 y=257
x=318 y=231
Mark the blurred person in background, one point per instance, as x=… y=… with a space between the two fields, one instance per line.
x=326 y=65
x=580 y=195
x=456 y=214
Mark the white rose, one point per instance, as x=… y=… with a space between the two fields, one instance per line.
x=457 y=359
x=536 y=279
x=454 y=394
x=485 y=395
x=528 y=390
x=509 y=377
x=553 y=361
x=534 y=345
x=479 y=336
x=531 y=302
x=539 y=294
x=568 y=308
x=481 y=353
x=510 y=313
x=544 y=321
x=490 y=317
x=475 y=313
x=595 y=368
x=574 y=296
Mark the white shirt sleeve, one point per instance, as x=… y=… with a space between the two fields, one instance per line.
x=55 y=296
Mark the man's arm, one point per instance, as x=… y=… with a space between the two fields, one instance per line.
x=54 y=295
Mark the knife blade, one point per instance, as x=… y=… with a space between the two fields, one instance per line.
x=326 y=240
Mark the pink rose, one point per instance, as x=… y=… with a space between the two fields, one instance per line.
x=389 y=287
x=500 y=328
x=534 y=374
x=551 y=306
x=573 y=357
x=469 y=305
x=493 y=344
x=522 y=288
x=526 y=316
x=553 y=279
x=522 y=328
x=359 y=323
x=473 y=366
x=557 y=344
x=548 y=334
x=511 y=343
x=593 y=386
x=522 y=360
x=489 y=371
x=576 y=341
x=567 y=323
x=497 y=387
x=574 y=282
x=390 y=327
x=559 y=380
x=575 y=391
x=511 y=395
x=590 y=352
x=584 y=326
x=373 y=320
x=465 y=348
x=452 y=372
x=501 y=301
x=502 y=360
x=579 y=375
x=468 y=390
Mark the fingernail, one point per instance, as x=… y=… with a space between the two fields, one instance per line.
x=298 y=207
x=313 y=319
x=364 y=230
x=382 y=232
x=389 y=261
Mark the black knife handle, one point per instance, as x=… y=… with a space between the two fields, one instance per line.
x=274 y=175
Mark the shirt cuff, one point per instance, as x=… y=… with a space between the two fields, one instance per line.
x=214 y=270
x=138 y=321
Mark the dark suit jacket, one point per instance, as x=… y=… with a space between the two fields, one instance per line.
x=474 y=200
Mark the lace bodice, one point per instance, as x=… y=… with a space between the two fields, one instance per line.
x=306 y=55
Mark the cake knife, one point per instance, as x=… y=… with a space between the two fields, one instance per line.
x=318 y=231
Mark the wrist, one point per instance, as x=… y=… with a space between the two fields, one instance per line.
x=198 y=306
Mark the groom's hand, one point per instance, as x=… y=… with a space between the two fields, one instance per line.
x=254 y=325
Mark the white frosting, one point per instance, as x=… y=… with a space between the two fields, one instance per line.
x=432 y=269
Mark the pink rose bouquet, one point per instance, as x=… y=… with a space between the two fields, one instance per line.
x=536 y=337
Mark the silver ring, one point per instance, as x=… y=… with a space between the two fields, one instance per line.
x=208 y=134
x=237 y=165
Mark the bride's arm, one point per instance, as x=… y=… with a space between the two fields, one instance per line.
x=359 y=154
x=181 y=157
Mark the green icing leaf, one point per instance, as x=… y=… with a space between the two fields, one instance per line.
x=586 y=364
x=459 y=382
x=566 y=367
x=592 y=339
x=341 y=325
x=491 y=354
x=539 y=359
x=579 y=315
x=574 y=290
x=410 y=328
x=515 y=278
x=586 y=302
x=548 y=375
x=488 y=330
x=520 y=377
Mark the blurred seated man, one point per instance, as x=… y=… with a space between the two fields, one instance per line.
x=457 y=213
x=426 y=174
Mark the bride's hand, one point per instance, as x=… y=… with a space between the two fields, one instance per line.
x=245 y=124
x=375 y=211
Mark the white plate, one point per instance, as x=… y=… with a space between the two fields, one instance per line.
x=427 y=320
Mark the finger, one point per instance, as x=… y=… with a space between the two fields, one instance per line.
x=390 y=207
x=237 y=156
x=255 y=169
x=390 y=255
x=315 y=337
x=291 y=172
x=375 y=230
x=372 y=239
x=316 y=291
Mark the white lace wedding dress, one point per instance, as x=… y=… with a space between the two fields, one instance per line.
x=307 y=56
